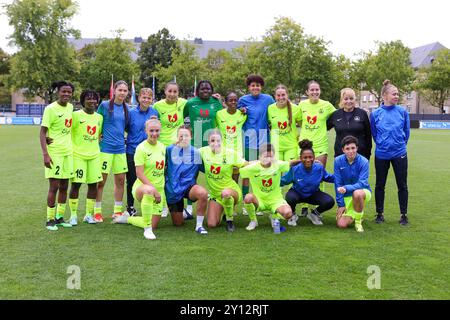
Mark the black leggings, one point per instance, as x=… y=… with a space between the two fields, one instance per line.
x=322 y=199
x=131 y=179
x=400 y=166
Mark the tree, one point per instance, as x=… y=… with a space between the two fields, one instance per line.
x=105 y=58
x=5 y=96
x=156 y=51
x=391 y=61
x=186 y=66
x=434 y=82
x=41 y=29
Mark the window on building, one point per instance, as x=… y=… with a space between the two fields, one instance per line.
x=371 y=98
x=365 y=99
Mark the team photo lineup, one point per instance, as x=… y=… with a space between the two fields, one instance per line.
x=248 y=148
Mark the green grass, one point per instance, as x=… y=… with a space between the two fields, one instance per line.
x=306 y=262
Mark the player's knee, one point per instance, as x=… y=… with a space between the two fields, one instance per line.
x=329 y=204
x=227 y=194
x=359 y=195
x=248 y=199
x=202 y=194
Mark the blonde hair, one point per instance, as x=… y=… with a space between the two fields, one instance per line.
x=289 y=105
x=153 y=120
x=343 y=93
x=387 y=85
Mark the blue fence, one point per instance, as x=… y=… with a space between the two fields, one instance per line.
x=30 y=110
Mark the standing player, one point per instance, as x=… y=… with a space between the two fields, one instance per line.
x=112 y=147
x=86 y=129
x=225 y=193
x=171 y=111
x=183 y=163
x=149 y=187
x=230 y=122
x=58 y=159
x=138 y=116
x=282 y=117
x=391 y=130
x=256 y=129
x=351 y=171
x=306 y=178
x=265 y=178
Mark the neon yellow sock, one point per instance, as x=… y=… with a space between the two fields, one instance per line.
x=277 y=216
x=73 y=205
x=251 y=211
x=51 y=213
x=359 y=217
x=228 y=206
x=118 y=208
x=90 y=203
x=60 y=210
x=98 y=208
x=147 y=212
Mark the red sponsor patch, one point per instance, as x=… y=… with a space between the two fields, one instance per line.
x=68 y=123
x=282 y=125
x=312 y=120
x=160 y=165
x=267 y=183
x=173 y=118
x=231 y=130
x=204 y=113
x=215 y=170
x=92 y=130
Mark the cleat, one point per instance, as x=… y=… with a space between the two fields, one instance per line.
x=201 y=231
x=187 y=215
x=230 y=226
x=358 y=226
x=61 y=223
x=98 y=218
x=73 y=221
x=123 y=219
x=131 y=211
x=51 y=225
x=314 y=216
x=165 y=213
x=117 y=214
x=252 y=225
x=379 y=218
x=260 y=214
x=403 y=220
x=293 y=221
x=89 y=220
x=149 y=235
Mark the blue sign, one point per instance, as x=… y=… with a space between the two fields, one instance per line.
x=23 y=121
x=435 y=125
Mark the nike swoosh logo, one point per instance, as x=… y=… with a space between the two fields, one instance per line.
x=223 y=121
x=60 y=116
x=342 y=168
x=81 y=122
x=149 y=154
x=403 y=157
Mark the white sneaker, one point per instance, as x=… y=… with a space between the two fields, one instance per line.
x=123 y=219
x=149 y=235
x=89 y=220
x=244 y=212
x=165 y=213
x=252 y=225
x=74 y=221
x=260 y=214
x=293 y=221
x=315 y=219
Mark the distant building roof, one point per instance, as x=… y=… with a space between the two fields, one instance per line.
x=423 y=56
x=203 y=46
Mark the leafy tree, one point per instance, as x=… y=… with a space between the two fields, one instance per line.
x=41 y=29
x=105 y=58
x=434 y=82
x=5 y=96
x=156 y=51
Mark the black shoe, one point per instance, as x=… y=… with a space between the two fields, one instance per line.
x=61 y=223
x=51 y=225
x=379 y=218
x=304 y=213
x=230 y=226
x=131 y=211
x=404 y=220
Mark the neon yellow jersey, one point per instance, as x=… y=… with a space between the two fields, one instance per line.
x=230 y=125
x=171 y=117
x=153 y=158
x=86 y=130
x=58 y=120
x=219 y=169
x=265 y=181
x=283 y=136
x=314 y=122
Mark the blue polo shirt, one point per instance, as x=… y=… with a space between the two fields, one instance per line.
x=136 y=127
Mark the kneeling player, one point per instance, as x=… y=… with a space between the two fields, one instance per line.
x=148 y=189
x=183 y=165
x=265 y=177
x=86 y=129
x=353 y=192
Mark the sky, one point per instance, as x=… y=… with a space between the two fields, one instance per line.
x=351 y=26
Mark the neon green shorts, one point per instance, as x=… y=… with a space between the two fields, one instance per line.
x=157 y=207
x=320 y=151
x=218 y=197
x=116 y=162
x=350 y=211
x=87 y=171
x=62 y=168
x=271 y=206
x=289 y=155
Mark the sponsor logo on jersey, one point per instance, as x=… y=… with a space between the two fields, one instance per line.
x=215 y=170
x=159 y=165
x=204 y=113
x=92 y=130
x=68 y=123
x=282 y=125
x=267 y=183
x=173 y=118
x=231 y=130
x=312 y=120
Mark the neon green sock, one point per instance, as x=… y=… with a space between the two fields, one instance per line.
x=73 y=205
x=277 y=216
x=228 y=206
x=98 y=208
x=51 y=213
x=251 y=211
x=147 y=211
x=90 y=203
x=60 y=210
x=359 y=217
x=118 y=208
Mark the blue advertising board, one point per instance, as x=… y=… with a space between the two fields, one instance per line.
x=438 y=125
